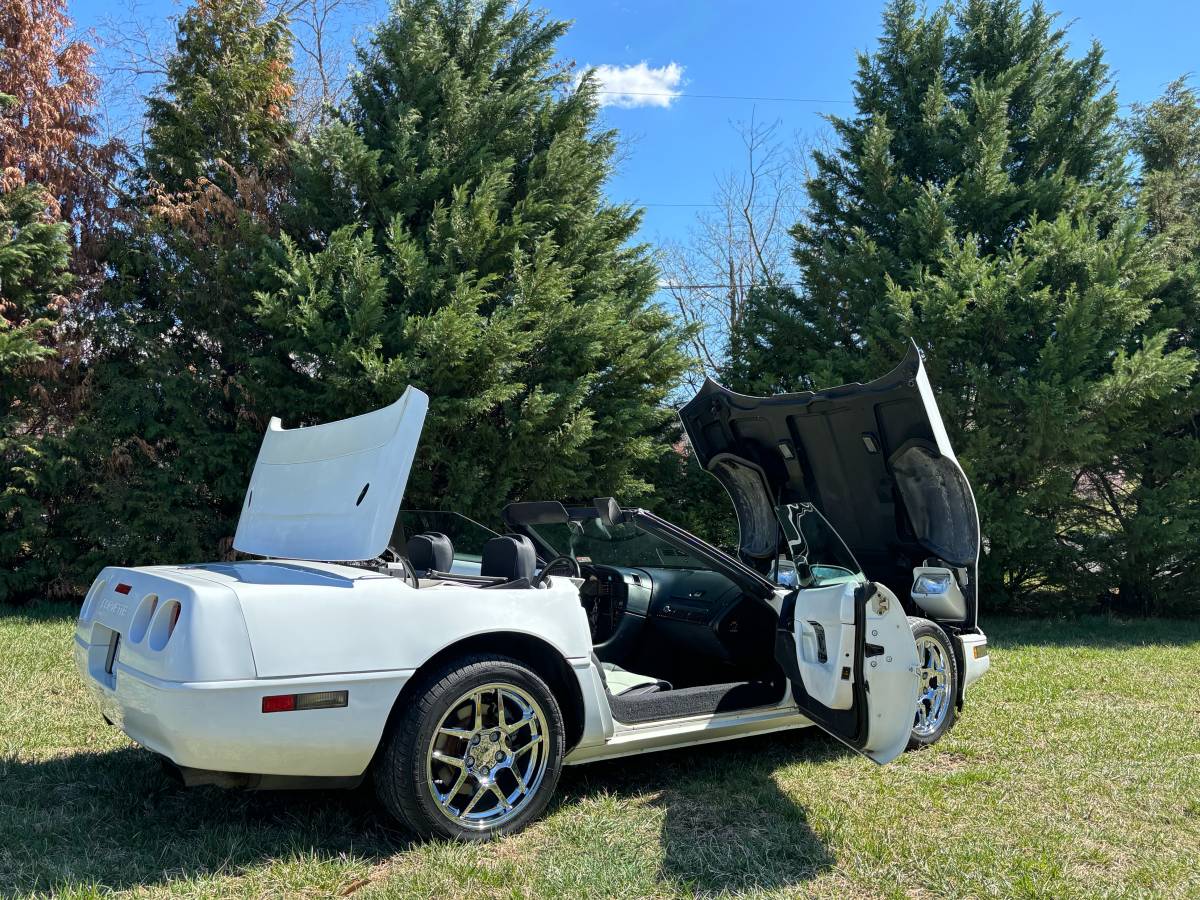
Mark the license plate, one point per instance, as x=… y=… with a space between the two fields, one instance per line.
x=113 y=647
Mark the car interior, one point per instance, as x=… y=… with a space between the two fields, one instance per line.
x=507 y=561
x=671 y=637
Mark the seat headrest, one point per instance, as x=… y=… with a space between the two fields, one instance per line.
x=430 y=552
x=509 y=556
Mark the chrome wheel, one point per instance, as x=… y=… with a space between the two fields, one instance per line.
x=487 y=758
x=933 y=703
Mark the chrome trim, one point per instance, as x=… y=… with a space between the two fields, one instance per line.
x=933 y=702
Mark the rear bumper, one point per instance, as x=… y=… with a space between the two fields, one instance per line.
x=220 y=726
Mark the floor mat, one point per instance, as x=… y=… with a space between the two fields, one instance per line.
x=695 y=701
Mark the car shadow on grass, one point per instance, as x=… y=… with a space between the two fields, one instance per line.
x=726 y=825
x=115 y=821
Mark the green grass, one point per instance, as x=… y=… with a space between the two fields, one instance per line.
x=1075 y=771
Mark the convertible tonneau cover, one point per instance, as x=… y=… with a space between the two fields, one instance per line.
x=333 y=491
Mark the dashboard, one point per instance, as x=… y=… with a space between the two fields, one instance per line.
x=656 y=615
x=605 y=595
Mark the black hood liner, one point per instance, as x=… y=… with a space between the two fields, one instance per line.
x=873 y=458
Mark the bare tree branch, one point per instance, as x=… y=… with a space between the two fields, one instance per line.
x=739 y=246
x=135 y=47
x=323 y=39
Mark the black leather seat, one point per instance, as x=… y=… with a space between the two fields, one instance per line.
x=510 y=556
x=430 y=552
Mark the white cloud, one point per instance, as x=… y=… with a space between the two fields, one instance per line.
x=639 y=85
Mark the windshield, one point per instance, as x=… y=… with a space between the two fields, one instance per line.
x=591 y=541
x=814 y=541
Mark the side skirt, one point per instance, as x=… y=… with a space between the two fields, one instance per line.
x=628 y=740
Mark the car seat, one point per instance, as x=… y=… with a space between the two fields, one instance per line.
x=430 y=552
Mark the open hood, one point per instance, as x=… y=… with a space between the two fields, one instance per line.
x=873 y=458
x=331 y=492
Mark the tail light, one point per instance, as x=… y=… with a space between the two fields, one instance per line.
x=142 y=618
x=90 y=600
x=163 y=626
x=315 y=700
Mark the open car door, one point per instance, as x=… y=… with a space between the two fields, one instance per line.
x=851 y=657
x=874 y=459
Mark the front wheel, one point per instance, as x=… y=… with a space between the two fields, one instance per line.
x=937 y=707
x=477 y=752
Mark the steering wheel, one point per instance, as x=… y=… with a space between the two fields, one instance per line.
x=547 y=570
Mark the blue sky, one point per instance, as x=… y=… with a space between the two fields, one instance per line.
x=676 y=147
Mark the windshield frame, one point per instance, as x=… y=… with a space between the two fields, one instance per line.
x=714 y=559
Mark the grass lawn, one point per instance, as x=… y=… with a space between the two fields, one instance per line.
x=1074 y=771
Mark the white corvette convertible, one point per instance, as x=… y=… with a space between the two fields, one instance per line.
x=463 y=679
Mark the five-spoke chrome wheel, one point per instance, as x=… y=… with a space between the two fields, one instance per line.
x=935 y=698
x=488 y=755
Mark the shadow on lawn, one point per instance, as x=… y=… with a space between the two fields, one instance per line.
x=114 y=821
x=727 y=826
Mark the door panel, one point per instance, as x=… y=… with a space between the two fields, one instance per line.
x=825 y=635
x=852 y=661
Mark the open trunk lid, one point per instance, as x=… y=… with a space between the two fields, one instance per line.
x=874 y=458
x=332 y=491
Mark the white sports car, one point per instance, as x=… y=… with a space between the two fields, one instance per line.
x=463 y=679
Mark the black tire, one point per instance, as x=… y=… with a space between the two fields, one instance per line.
x=923 y=629
x=401 y=781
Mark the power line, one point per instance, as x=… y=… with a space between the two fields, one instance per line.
x=713 y=287
x=678 y=94
x=688 y=203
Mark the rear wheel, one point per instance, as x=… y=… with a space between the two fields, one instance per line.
x=937 y=707
x=476 y=754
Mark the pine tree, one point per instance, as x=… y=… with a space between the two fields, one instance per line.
x=1151 y=496
x=451 y=232
x=976 y=203
x=54 y=215
x=34 y=252
x=48 y=133
x=171 y=434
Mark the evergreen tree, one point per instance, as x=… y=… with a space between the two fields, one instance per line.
x=171 y=434
x=222 y=111
x=451 y=232
x=48 y=133
x=54 y=215
x=1150 y=498
x=976 y=202
x=34 y=252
